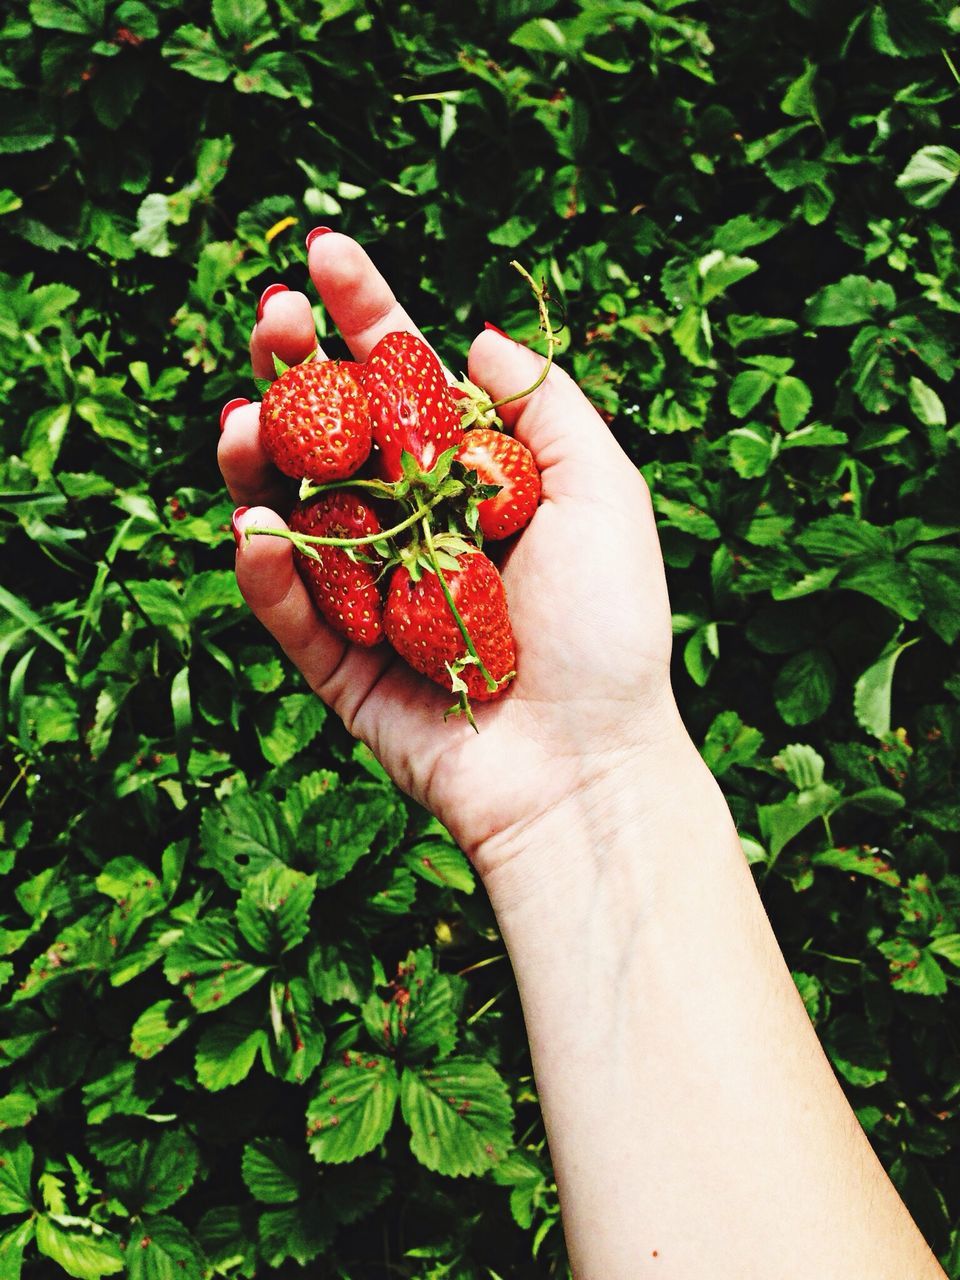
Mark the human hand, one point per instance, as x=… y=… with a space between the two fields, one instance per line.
x=591 y=701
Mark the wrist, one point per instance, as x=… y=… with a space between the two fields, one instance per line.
x=626 y=813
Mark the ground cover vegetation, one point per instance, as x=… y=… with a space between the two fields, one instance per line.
x=256 y=1013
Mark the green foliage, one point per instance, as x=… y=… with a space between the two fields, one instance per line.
x=291 y=1038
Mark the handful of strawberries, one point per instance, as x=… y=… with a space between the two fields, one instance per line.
x=399 y=491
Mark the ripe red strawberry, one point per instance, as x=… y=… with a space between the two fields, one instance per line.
x=346 y=591
x=314 y=421
x=411 y=406
x=502 y=460
x=418 y=622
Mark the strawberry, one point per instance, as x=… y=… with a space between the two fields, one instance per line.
x=315 y=422
x=419 y=624
x=411 y=406
x=345 y=591
x=502 y=460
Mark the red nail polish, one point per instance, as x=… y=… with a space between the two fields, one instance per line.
x=488 y=325
x=229 y=407
x=237 y=531
x=317 y=231
x=268 y=293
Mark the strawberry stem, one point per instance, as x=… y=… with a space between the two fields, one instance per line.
x=310 y=490
x=471 y=647
x=540 y=293
x=303 y=541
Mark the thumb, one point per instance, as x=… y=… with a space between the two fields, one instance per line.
x=571 y=443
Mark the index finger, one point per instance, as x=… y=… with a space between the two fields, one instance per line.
x=357 y=297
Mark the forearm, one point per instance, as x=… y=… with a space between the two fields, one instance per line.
x=695 y=1125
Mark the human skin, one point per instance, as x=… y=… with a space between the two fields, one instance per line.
x=696 y=1129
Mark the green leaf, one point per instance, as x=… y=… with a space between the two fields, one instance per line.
x=227 y=1049
x=16 y=1110
x=855 y=1051
x=752 y=450
x=947 y=946
x=300 y=1233
x=719 y=270
x=804 y=686
x=85 y=1255
x=195 y=51
x=693 y=335
x=441 y=863
x=936 y=570
x=12 y=1244
x=541 y=35
x=273 y=1171
x=353 y=1107
x=747 y=390
x=873 y=690
x=273 y=913
x=686 y=517
x=742 y=232
x=295 y=1048
x=730 y=742
x=913 y=969
x=800 y=101
x=16 y=1162
x=288 y=725
x=206 y=961
x=81 y=17
x=43 y=439
x=159 y=1173
x=240 y=20
x=459 y=1114
x=700 y=653
x=930 y=173
x=853 y=300
x=159 y=1025
x=416 y=1011
x=244 y=835
x=781 y=823
x=153 y=218
x=854 y=862
x=793 y=401
x=346 y=823
x=281 y=75
x=161 y=1248
x=802 y=765
x=926 y=404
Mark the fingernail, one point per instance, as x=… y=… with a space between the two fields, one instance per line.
x=488 y=325
x=267 y=294
x=237 y=531
x=317 y=231
x=229 y=407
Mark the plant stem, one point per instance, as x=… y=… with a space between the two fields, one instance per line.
x=315 y=540
x=381 y=487
x=471 y=647
x=540 y=294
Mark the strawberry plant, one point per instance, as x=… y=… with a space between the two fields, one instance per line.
x=218 y=913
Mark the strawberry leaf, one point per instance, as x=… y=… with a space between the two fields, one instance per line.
x=227 y=1049
x=207 y=963
x=274 y=909
x=459 y=1113
x=353 y=1107
x=159 y=1025
x=273 y=1171
x=416 y=1011
x=161 y=1246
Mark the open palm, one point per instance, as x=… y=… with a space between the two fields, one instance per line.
x=584 y=584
